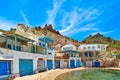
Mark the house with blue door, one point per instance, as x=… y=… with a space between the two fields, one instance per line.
x=90 y=53
x=48 y=43
x=17 y=47
x=5 y=61
x=18 y=52
x=68 y=57
x=74 y=55
x=61 y=59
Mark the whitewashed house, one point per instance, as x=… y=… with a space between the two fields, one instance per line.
x=74 y=55
x=48 y=43
x=93 y=47
x=90 y=52
x=21 y=56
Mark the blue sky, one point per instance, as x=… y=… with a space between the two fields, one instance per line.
x=73 y=18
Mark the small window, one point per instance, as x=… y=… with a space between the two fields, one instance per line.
x=98 y=46
x=91 y=54
x=84 y=48
x=72 y=55
x=93 y=47
x=86 y=54
x=88 y=48
x=50 y=53
x=39 y=44
x=9 y=46
x=43 y=45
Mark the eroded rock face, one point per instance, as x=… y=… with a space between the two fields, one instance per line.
x=113 y=62
x=34 y=34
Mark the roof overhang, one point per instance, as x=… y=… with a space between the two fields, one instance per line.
x=46 y=39
x=6 y=58
x=20 y=37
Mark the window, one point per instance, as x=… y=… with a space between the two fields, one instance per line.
x=33 y=49
x=84 y=48
x=39 y=44
x=43 y=45
x=86 y=54
x=9 y=46
x=93 y=47
x=64 y=48
x=18 y=48
x=72 y=55
x=88 y=48
x=98 y=46
x=50 y=53
x=91 y=54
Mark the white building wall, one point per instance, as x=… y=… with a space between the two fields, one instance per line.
x=16 y=55
x=51 y=57
x=69 y=47
x=91 y=47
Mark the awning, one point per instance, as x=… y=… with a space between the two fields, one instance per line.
x=6 y=58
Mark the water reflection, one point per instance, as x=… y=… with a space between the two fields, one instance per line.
x=91 y=74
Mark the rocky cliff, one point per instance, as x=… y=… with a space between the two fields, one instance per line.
x=47 y=30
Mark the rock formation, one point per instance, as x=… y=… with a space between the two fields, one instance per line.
x=34 y=34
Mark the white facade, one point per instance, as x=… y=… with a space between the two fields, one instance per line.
x=49 y=52
x=72 y=54
x=69 y=47
x=93 y=47
x=16 y=55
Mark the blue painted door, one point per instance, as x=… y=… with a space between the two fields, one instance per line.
x=49 y=64
x=72 y=63
x=25 y=67
x=57 y=64
x=5 y=67
x=97 y=64
x=78 y=63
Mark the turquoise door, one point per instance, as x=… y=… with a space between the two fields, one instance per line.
x=78 y=63
x=5 y=68
x=25 y=67
x=49 y=64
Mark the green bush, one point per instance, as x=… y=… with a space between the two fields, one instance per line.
x=117 y=54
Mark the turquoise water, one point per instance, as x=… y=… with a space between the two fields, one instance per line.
x=91 y=74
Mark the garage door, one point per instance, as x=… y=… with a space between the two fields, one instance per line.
x=5 y=67
x=41 y=65
x=88 y=63
x=25 y=67
x=49 y=64
x=72 y=63
x=78 y=63
x=57 y=64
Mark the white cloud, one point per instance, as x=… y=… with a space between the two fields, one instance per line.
x=87 y=27
x=76 y=19
x=25 y=18
x=7 y=25
x=52 y=13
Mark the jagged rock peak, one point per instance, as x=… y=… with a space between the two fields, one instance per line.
x=98 y=35
x=22 y=27
x=49 y=27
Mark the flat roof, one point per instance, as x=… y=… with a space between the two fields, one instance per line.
x=21 y=37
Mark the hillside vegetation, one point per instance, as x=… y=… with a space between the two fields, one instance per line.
x=3 y=30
